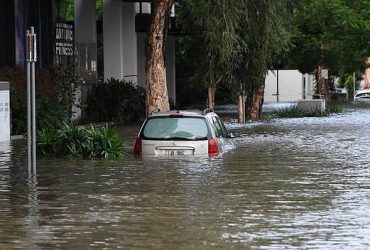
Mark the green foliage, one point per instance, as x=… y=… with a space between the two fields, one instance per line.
x=265 y=35
x=295 y=112
x=212 y=26
x=55 y=89
x=236 y=42
x=116 y=101
x=89 y=143
x=18 y=95
x=346 y=81
x=333 y=33
x=69 y=10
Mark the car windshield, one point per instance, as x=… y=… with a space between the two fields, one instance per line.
x=179 y=128
x=363 y=95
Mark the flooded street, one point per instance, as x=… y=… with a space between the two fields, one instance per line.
x=289 y=184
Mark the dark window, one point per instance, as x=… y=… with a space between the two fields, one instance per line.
x=7 y=35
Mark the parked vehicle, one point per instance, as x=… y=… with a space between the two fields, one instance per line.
x=362 y=96
x=178 y=133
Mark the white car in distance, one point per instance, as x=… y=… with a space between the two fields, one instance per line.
x=177 y=133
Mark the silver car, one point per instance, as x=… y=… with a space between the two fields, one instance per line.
x=178 y=133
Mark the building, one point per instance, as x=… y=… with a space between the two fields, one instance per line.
x=65 y=40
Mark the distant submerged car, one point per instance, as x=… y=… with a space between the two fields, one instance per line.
x=177 y=133
x=362 y=95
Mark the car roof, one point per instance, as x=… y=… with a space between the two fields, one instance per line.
x=362 y=91
x=193 y=113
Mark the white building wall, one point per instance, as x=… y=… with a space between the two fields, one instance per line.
x=290 y=86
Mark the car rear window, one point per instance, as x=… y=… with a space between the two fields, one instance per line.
x=179 y=128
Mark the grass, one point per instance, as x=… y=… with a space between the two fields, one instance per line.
x=295 y=112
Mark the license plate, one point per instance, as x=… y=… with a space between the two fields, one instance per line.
x=175 y=152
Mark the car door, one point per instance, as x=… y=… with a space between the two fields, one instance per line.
x=221 y=133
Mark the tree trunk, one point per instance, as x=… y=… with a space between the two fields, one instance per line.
x=211 y=97
x=156 y=82
x=367 y=75
x=255 y=102
x=240 y=109
x=322 y=85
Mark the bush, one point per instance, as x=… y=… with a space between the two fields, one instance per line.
x=295 y=112
x=116 y=101
x=18 y=98
x=55 y=88
x=86 y=143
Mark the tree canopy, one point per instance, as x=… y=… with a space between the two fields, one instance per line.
x=333 y=33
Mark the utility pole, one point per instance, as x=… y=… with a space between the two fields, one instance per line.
x=31 y=99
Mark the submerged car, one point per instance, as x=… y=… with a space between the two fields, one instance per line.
x=178 y=133
x=362 y=96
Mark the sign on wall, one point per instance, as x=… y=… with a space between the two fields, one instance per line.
x=64 y=39
x=4 y=112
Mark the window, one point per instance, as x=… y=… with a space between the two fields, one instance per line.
x=170 y=128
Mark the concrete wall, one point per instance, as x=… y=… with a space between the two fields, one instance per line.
x=129 y=42
x=290 y=86
x=141 y=58
x=113 y=36
x=85 y=48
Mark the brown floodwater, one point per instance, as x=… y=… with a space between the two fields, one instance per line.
x=288 y=184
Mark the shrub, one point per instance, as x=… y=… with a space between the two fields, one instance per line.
x=295 y=112
x=89 y=143
x=18 y=97
x=55 y=88
x=116 y=101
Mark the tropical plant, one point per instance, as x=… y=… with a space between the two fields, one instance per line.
x=116 y=101
x=89 y=143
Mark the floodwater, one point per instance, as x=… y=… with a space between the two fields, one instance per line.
x=289 y=184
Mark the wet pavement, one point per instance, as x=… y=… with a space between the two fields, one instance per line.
x=289 y=184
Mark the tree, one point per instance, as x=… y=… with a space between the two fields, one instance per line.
x=212 y=24
x=156 y=82
x=264 y=31
x=240 y=40
x=333 y=35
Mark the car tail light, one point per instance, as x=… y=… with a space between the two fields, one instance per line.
x=138 y=147
x=213 y=147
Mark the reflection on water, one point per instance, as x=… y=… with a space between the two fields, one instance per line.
x=290 y=183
